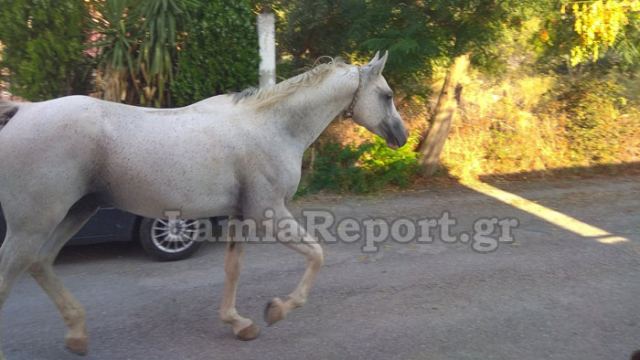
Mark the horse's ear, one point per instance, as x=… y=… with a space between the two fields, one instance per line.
x=376 y=57
x=383 y=61
x=375 y=67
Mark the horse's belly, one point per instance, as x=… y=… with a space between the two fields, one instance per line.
x=195 y=194
x=156 y=204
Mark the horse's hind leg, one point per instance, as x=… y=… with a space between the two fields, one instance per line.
x=18 y=251
x=71 y=310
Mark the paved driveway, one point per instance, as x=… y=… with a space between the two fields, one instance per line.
x=550 y=295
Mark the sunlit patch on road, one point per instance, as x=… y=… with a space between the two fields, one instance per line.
x=555 y=217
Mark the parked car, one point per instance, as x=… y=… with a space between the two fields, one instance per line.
x=161 y=239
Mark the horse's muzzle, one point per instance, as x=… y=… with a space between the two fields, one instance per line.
x=394 y=133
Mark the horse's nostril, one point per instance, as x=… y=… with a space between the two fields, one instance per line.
x=394 y=132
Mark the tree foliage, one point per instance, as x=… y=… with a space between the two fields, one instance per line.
x=418 y=34
x=44 y=47
x=598 y=25
x=220 y=51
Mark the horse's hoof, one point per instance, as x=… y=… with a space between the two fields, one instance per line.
x=274 y=311
x=249 y=333
x=77 y=345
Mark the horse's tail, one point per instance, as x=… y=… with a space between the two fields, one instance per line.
x=8 y=110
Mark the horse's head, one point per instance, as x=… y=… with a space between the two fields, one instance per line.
x=373 y=105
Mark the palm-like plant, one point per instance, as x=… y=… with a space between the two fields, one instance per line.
x=117 y=66
x=156 y=57
x=139 y=41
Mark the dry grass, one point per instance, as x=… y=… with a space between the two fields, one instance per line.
x=517 y=126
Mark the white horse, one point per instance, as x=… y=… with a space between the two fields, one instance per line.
x=234 y=155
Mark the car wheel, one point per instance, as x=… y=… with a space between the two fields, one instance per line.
x=169 y=240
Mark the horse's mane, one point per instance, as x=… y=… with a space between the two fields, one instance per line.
x=261 y=98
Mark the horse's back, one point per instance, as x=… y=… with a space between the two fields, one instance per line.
x=50 y=127
x=49 y=145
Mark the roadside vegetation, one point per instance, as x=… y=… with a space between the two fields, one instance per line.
x=534 y=86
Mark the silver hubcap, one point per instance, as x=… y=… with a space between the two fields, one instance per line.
x=174 y=236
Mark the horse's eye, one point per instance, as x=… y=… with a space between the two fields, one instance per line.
x=389 y=97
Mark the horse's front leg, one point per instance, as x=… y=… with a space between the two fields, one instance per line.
x=243 y=328
x=306 y=245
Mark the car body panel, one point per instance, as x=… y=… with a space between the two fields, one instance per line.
x=107 y=225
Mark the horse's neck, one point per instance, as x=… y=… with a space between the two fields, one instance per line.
x=310 y=111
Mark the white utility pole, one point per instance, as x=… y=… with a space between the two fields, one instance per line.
x=267 y=41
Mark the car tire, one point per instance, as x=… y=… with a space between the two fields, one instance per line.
x=167 y=240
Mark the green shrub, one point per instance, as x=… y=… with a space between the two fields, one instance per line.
x=335 y=169
x=44 y=43
x=360 y=169
x=220 y=52
x=388 y=166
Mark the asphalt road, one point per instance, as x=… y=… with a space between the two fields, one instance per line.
x=550 y=295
